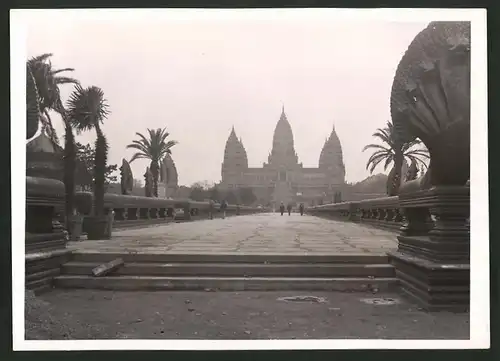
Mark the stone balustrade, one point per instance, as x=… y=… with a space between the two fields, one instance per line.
x=135 y=210
x=45 y=239
x=379 y=212
x=432 y=259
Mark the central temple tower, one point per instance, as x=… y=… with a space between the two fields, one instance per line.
x=283 y=151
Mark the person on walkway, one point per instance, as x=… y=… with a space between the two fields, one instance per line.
x=223 y=207
x=301 y=208
x=282 y=208
x=289 y=208
x=211 y=209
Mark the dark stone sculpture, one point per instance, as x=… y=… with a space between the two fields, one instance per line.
x=168 y=175
x=430 y=100
x=127 y=179
x=148 y=187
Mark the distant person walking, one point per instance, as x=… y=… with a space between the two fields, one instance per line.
x=211 y=209
x=282 y=208
x=301 y=209
x=289 y=208
x=223 y=207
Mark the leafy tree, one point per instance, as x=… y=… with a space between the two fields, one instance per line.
x=197 y=192
x=231 y=197
x=153 y=148
x=214 y=193
x=85 y=158
x=87 y=109
x=246 y=195
x=394 y=152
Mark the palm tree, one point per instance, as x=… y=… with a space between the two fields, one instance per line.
x=32 y=105
x=394 y=152
x=155 y=149
x=87 y=109
x=46 y=81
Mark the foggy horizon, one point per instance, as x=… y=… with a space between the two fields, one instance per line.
x=200 y=78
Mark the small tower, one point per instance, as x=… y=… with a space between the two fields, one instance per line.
x=235 y=159
x=331 y=160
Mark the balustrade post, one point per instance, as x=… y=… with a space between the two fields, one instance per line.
x=120 y=214
x=132 y=214
x=144 y=213
x=432 y=263
x=187 y=212
x=354 y=214
x=416 y=222
x=153 y=213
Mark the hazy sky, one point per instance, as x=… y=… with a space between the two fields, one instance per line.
x=199 y=77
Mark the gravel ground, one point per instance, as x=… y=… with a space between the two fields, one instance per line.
x=89 y=314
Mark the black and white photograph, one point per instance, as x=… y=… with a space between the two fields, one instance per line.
x=249 y=179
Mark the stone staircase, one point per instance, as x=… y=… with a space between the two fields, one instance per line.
x=230 y=272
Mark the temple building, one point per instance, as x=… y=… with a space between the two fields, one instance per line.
x=283 y=178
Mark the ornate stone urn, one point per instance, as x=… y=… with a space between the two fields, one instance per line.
x=44 y=195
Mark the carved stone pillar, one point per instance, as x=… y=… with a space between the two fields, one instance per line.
x=433 y=264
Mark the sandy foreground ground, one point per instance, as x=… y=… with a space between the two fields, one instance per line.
x=89 y=314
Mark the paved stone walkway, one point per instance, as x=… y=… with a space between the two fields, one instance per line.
x=258 y=234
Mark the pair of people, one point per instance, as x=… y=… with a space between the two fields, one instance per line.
x=289 y=209
x=211 y=206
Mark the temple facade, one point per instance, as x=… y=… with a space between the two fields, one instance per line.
x=283 y=178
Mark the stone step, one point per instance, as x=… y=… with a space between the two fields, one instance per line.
x=136 y=283
x=238 y=269
x=102 y=257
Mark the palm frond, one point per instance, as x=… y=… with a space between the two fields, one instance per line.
x=144 y=140
x=419 y=153
x=138 y=147
x=375 y=164
x=65 y=80
x=61 y=70
x=377 y=154
x=138 y=156
x=40 y=58
x=388 y=161
x=375 y=159
x=375 y=146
